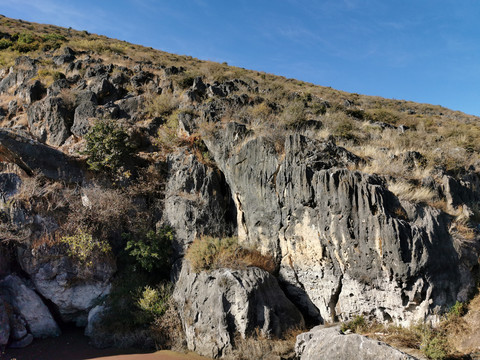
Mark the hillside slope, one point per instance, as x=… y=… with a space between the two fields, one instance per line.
x=159 y=199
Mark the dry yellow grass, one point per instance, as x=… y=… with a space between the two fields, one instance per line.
x=406 y=191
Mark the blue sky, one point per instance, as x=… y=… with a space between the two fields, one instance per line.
x=421 y=50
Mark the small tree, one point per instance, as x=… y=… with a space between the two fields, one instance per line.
x=108 y=147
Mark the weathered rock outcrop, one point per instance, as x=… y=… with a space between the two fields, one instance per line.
x=28 y=304
x=345 y=245
x=331 y=343
x=197 y=201
x=72 y=287
x=31 y=156
x=219 y=305
x=50 y=120
x=25 y=68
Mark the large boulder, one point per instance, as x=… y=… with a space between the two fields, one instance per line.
x=50 y=120
x=217 y=306
x=102 y=88
x=29 y=305
x=331 y=343
x=73 y=287
x=345 y=245
x=84 y=113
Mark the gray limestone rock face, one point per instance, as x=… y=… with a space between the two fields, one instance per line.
x=24 y=69
x=50 y=120
x=197 y=201
x=331 y=343
x=81 y=119
x=72 y=287
x=219 y=305
x=29 y=305
x=4 y=324
x=344 y=244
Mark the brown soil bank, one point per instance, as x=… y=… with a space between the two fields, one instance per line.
x=73 y=345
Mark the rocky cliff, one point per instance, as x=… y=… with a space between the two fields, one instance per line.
x=194 y=149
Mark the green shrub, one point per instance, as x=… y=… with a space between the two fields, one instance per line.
x=108 y=147
x=25 y=38
x=152 y=250
x=210 y=253
x=53 y=37
x=52 y=41
x=434 y=344
x=457 y=310
x=25 y=42
x=154 y=301
x=84 y=248
x=5 y=43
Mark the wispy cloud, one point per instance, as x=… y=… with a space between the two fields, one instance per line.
x=59 y=12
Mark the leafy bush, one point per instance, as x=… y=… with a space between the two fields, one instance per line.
x=108 y=147
x=5 y=43
x=434 y=344
x=154 y=302
x=25 y=42
x=152 y=251
x=210 y=253
x=53 y=37
x=457 y=310
x=84 y=248
x=52 y=41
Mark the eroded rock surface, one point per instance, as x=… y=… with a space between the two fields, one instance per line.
x=197 y=201
x=344 y=243
x=30 y=156
x=219 y=305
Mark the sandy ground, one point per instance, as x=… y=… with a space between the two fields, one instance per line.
x=72 y=345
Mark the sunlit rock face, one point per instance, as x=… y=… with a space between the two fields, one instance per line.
x=345 y=245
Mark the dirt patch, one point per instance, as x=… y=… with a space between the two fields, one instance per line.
x=73 y=345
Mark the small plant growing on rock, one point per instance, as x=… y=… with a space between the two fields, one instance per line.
x=84 y=248
x=356 y=325
x=154 y=301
